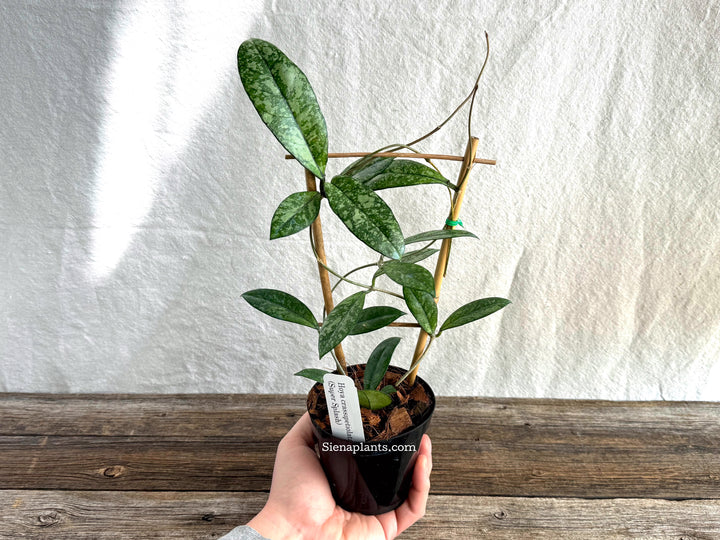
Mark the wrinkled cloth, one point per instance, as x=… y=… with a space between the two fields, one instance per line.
x=137 y=184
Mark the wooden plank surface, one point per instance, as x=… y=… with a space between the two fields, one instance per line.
x=247 y=415
x=121 y=515
x=60 y=515
x=499 y=447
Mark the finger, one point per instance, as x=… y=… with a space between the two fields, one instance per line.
x=414 y=507
x=426 y=448
x=301 y=434
x=296 y=452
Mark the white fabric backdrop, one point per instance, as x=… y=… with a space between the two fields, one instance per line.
x=137 y=185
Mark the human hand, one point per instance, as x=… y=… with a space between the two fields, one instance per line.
x=301 y=504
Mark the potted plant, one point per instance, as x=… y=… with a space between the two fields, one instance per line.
x=395 y=404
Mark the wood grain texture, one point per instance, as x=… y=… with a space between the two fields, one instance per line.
x=240 y=416
x=500 y=447
x=58 y=515
x=135 y=463
x=195 y=466
x=205 y=515
x=523 y=518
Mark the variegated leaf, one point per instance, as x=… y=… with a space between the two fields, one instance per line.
x=441 y=234
x=281 y=305
x=295 y=213
x=313 y=374
x=401 y=173
x=340 y=321
x=366 y=215
x=374 y=318
x=474 y=311
x=365 y=168
x=410 y=275
x=423 y=307
x=284 y=99
x=412 y=257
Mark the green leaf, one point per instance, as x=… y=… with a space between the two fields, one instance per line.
x=295 y=213
x=412 y=257
x=361 y=171
x=366 y=215
x=429 y=236
x=401 y=173
x=285 y=101
x=388 y=389
x=281 y=305
x=410 y=275
x=340 y=321
x=313 y=374
x=378 y=363
x=374 y=318
x=423 y=307
x=474 y=311
x=418 y=255
x=374 y=400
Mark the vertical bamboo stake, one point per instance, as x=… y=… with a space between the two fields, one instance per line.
x=324 y=275
x=442 y=261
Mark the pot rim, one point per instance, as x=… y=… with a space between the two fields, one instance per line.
x=427 y=413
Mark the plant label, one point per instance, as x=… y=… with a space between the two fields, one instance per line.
x=343 y=407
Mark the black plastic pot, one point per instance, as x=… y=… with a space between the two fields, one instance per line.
x=377 y=481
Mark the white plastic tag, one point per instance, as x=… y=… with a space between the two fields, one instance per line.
x=343 y=407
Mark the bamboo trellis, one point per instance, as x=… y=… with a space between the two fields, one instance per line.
x=468 y=160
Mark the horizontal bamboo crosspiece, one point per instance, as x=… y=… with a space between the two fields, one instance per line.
x=407 y=155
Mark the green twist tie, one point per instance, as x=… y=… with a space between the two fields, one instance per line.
x=451 y=223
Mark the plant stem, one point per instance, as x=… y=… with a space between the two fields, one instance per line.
x=340 y=367
x=384 y=291
x=415 y=365
x=330 y=270
x=477 y=81
x=390 y=151
x=370 y=288
x=470 y=97
x=344 y=276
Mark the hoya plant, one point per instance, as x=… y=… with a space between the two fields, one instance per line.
x=286 y=103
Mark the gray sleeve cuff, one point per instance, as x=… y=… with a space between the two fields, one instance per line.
x=244 y=532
